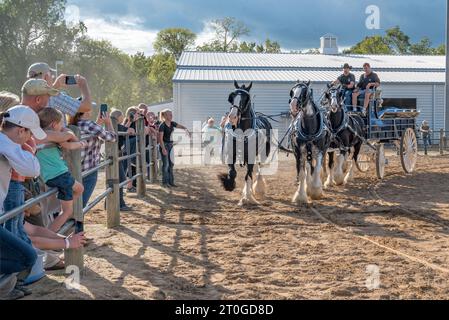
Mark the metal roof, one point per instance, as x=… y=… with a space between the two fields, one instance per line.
x=294 y=75
x=208 y=66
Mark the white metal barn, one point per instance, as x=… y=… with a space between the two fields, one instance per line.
x=203 y=82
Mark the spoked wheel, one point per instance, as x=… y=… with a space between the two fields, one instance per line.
x=409 y=150
x=363 y=160
x=380 y=161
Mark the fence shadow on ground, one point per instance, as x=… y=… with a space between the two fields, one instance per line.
x=179 y=205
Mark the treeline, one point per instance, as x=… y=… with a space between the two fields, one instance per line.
x=395 y=41
x=36 y=30
x=33 y=31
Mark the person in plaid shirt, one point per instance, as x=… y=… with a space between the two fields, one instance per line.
x=90 y=155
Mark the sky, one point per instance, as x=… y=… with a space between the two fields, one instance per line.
x=132 y=25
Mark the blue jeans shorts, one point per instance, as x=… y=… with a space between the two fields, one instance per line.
x=64 y=183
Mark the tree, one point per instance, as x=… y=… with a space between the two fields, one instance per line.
x=227 y=33
x=174 y=41
x=29 y=30
x=440 y=50
x=423 y=47
x=398 y=41
x=247 y=47
x=371 y=45
x=163 y=68
x=272 y=46
x=395 y=42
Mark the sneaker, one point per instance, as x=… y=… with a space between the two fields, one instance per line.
x=173 y=186
x=125 y=209
x=131 y=190
x=20 y=285
x=13 y=295
x=165 y=186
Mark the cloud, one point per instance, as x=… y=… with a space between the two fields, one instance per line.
x=295 y=24
x=124 y=34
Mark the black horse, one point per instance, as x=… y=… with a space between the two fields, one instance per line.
x=247 y=141
x=347 y=134
x=310 y=140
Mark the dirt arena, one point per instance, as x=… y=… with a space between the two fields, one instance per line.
x=195 y=243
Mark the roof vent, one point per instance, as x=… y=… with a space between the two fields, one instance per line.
x=329 y=44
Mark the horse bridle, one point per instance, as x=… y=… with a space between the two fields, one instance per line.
x=331 y=91
x=236 y=93
x=300 y=104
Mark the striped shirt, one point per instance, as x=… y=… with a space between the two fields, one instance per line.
x=90 y=155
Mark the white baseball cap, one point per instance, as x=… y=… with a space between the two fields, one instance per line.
x=25 y=117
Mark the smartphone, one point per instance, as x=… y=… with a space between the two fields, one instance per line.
x=79 y=227
x=70 y=80
x=103 y=109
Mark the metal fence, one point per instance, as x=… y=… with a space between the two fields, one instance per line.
x=144 y=159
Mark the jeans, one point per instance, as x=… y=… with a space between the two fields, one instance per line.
x=132 y=150
x=427 y=142
x=64 y=183
x=89 y=183
x=15 y=254
x=14 y=199
x=167 y=165
x=122 y=178
x=347 y=97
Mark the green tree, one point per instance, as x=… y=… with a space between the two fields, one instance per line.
x=247 y=47
x=440 y=50
x=163 y=68
x=228 y=31
x=174 y=41
x=423 y=47
x=29 y=30
x=398 y=41
x=371 y=45
x=272 y=46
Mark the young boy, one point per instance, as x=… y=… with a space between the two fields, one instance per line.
x=54 y=170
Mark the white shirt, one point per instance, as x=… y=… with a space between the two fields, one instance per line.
x=13 y=157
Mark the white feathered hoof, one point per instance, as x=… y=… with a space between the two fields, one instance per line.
x=329 y=183
x=248 y=198
x=260 y=188
x=250 y=201
x=339 y=179
x=301 y=200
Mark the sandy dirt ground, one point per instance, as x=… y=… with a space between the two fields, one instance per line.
x=195 y=243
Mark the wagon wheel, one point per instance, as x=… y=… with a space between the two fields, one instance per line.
x=380 y=161
x=409 y=150
x=363 y=160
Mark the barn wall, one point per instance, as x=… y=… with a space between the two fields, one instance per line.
x=198 y=101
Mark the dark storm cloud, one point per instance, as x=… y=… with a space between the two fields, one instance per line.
x=295 y=24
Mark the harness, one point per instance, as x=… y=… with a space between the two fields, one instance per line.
x=297 y=124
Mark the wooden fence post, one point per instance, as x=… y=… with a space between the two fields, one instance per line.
x=141 y=160
x=441 y=141
x=113 y=181
x=153 y=160
x=75 y=257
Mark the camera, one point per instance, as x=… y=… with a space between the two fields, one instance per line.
x=70 y=80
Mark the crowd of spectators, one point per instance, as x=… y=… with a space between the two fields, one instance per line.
x=34 y=134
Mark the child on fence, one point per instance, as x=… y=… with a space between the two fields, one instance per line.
x=54 y=170
x=91 y=154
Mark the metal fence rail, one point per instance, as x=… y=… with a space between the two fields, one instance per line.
x=112 y=193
